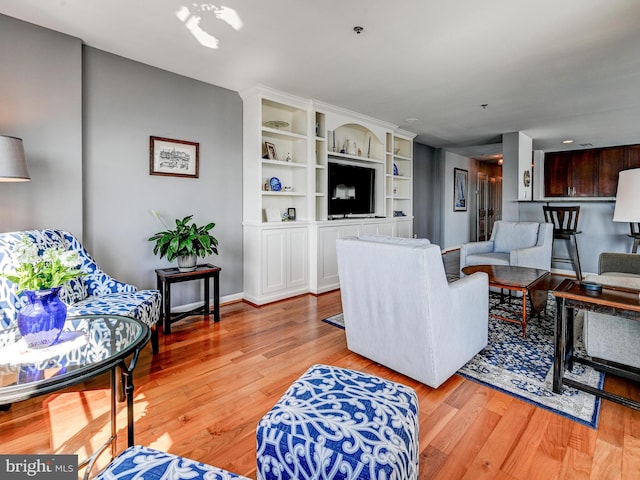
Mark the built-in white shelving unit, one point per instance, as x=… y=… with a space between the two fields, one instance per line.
x=288 y=144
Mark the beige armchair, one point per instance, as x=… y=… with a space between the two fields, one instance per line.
x=524 y=244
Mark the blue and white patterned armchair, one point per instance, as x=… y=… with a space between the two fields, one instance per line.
x=94 y=294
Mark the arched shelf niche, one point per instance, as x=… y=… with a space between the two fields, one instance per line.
x=356 y=142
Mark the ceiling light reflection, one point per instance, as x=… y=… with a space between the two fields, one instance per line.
x=192 y=21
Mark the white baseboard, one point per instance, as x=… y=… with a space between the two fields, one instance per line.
x=191 y=306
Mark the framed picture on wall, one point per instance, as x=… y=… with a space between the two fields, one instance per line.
x=460 y=186
x=176 y=158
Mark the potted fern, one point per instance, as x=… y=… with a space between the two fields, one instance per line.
x=186 y=242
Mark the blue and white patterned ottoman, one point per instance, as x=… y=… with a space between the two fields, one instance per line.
x=142 y=463
x=334 y=423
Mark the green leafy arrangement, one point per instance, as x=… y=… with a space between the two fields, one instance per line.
x=52 y=268
x=185 y=240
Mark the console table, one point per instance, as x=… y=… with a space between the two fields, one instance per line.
x=89 y=346
x=617 y=301
x=167 y=276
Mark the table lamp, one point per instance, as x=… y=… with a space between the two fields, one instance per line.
x=13 y=164
x=628 y=203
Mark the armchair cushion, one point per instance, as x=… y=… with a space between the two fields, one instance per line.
x=608 y=337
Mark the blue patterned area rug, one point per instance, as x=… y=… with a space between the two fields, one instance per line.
x=523 y=367
x=335 y=320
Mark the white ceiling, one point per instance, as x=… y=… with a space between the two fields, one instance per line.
x=553 y=69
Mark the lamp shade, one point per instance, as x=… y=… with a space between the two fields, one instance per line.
x=628 y=197
x=13 y=164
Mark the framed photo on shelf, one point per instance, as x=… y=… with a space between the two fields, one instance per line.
x=175 y=158
x=271 y=151
x=291 y=213
x=273 y=215
x=460 y=186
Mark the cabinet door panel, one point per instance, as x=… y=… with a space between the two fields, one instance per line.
x=632 y=156
x=404 y=229
x=611 y=161
x=584 y=166
x=557 y=171
x=273 y=258
x=298 y=257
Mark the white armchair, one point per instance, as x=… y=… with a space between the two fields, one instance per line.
x=400 y=311
x=524 y=244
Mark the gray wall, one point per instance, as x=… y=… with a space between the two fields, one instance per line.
x=41 y=102
x=426 y=193
x=599 y=232
x=86 y=117
x=125 y=103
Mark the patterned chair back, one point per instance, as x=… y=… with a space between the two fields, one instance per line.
x=94 y=283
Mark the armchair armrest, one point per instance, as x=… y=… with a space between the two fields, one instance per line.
x=619 y=262
x=477 y=247
x=100 y=283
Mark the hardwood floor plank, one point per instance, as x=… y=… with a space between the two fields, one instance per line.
x=607 y=462
x=204 y=393
x=576 y=465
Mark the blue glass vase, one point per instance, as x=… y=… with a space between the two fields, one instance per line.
x=41 y=320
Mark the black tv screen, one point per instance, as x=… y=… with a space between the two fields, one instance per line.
x=351 y=189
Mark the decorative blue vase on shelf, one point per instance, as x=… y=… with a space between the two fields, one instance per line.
x=41 y=320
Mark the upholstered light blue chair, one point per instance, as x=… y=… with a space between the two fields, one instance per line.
x=97 y=293
x=522 y=244
x=400 y=310
x=340 y=424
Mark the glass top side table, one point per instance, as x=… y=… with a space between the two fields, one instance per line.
x=89 y=346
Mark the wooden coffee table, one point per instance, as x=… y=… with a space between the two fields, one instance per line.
x=531 y=282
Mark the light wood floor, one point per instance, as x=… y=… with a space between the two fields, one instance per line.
x=203 y=394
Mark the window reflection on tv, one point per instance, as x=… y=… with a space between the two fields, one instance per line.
x=351 y=190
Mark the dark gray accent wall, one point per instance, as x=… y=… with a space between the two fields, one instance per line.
x=426 y=193
x=125 y=103
x=41 y=102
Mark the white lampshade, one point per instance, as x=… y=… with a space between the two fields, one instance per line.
x=628 y=197
x=13 y=164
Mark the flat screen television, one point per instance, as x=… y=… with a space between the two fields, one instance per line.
x=351 y=190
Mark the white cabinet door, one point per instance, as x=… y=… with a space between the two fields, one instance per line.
x=274 y=260
x=298 y=257
x=328 y=259
x=404 y=228
x=285 y=259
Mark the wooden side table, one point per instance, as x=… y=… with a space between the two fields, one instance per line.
x=167 y=276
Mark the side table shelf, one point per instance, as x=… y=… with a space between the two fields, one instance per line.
x=167 y=276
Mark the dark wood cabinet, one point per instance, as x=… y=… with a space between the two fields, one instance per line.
x=584 y=174
x=588 y=173
x=610 y=162
x=632 y=157
x=557 y=174
x=570 y=174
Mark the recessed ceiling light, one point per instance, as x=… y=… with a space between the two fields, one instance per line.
x=358 y=29
x=411 y=120
x=567 y=141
